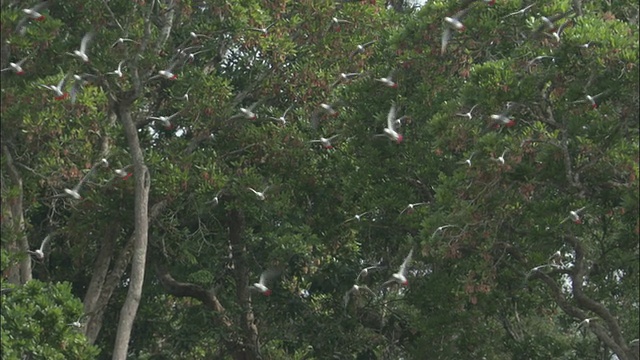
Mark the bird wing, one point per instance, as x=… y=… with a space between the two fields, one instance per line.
x=387 y=283
x=461 y=13
x=86 y=177
x=391 y=117
x=333 y=137
x=446 y=36
x=268 y=275
x=40 y=6
x=405 y=263
x=265 y=189
x=286 y=111
x=61 y=83
x=85 y=41
x=45 y=246
x=368 y=43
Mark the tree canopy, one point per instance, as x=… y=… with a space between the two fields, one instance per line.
x=320 y=179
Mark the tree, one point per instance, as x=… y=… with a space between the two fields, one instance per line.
x=194 y=123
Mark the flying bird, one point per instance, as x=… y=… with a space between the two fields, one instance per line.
x=44 y=248
x=282 y=120
x=365 y=272
x=451 y=24
x=440 y=228
x=360 y=48
x=586 y=322
x=521 y=11
x=400 y=277
x=248 y=113
x=468 y=161
x=344 y=77
x=260 y=194
x=468 y=114
x=261 y=285
x=411 y=208
x=357 y=217
x=57 y=89
x=264 y=30
x=123 y=173
x=16 y=67
x=118 y=71
x=326 y=142
x=195 y=36
x=390 y=131
x=75 y=192
x=84 y=43
x=31 y=14
x=388 y=81
x=500 y=159
x=574 y=215
x=165 y=120
x=549 y=23
x=503 y=118
x=591 y=99
x=121 y=41
x=355 y=289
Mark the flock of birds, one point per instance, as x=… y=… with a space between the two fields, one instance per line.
x=452 y=24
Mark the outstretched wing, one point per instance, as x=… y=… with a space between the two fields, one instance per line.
x=268 y=275
x=405 y=263
x=46 y=244
x=391 y=117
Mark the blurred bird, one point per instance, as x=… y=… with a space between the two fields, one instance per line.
x=264 y=30
x=45 y=246
x=344 y=77
x=400 y=277
x=16 y=67
x=574 y=215
x=84 y=43
x=365 y=272
x=450 y=24
x=282 y=120
x=261 y=285
x=260 y=194
x=390 y=131
x=355 y=289
x=591 y=99
x=360 y=48
x=31 y=14
x=121 y=41
x=411 y=208
x=75 y=192
x=500 y=159
x=165 y=120
x=57 y=89
x=468 y=114
x=521 y=11
x=326 y=142
x=118 y=71
x=388 y=81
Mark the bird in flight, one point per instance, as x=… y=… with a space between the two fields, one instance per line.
x=388 y=81
x=118 y=71
x=165 y=120
x=591 y=100
x=355 y=289
x=574 y=215
x=411 y=208
x=360 y=48
x=326 y=142
x=75 y=192
x=84 y=43
x=16 y=67
x=264 y=30
x=45 y=246
x=450 y=24
x=468 y=114
x=260 y=194
x=400 y=277
x=261 y=285
x=282 y=119
x=390 y=131
x=365 y=272
x=500 y=159
x=57 y=89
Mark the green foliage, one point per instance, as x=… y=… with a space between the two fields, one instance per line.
x=36 y=322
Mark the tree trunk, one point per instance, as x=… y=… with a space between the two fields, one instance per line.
x=141 y=221
x=21 y=274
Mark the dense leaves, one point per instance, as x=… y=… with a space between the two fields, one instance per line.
x=501 y=266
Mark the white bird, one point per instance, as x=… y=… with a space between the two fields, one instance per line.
x=360 y=48
x=326 y=142
x=364 y=272
x=500 y=159
x=450 y=24
x=260 y=194
x=411 y=207
x=118 y=71
x=75 y=192
x=538 y=268
x=468 y=114
x=345 y=77
x=574 y=215
x=586 y=322
x=504 y=118
x=165 y=120
x=282 y=120
x=121 y=41
x=261 y=285
x=195 y=36
x=337 y=21
x=538 y=58
x=31 y=14
x=556 y=258
x=44 y=247
x=521 y=11
x=78 y=83
x=468 y=161
x=440 y=228
x=357 y=217
x=264 y=30
x=57 y=89
x=248 y=113
x=388 y=81
x=78 y=323
x=390 y=130
x=84 y=43
x=323 y=109
x=591 y=99
x=216 y=199
x=167 y=73
x=16 y=67
x=400 y=277
x=123 y=173
x=185 y=97
x=355 y=289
